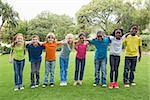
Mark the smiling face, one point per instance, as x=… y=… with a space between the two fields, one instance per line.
x=100 y=36
x=19 y=39
x=35 y=40
x=134 y=30
x=118 y=34
x=50 y=39
x=82 y=38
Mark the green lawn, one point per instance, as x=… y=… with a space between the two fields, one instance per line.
x=85 y=92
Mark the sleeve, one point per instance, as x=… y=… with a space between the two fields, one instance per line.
x=140 y=42
x=124 y=42
x=92 y=41
x=111 y=37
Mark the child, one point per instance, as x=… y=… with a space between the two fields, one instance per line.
x=101 y=43
x=50 y=58
x=35 y=52
x=17 y=57
x=133 y=45
x=80 y=47
x=115 y=52
x=64 y=58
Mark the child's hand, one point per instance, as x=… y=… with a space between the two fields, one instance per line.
x=139 y=59
x=10 y=60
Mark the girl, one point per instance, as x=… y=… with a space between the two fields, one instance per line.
x=17 y=57
x=35 y=52
x=64 y=58
x=115 y=52
x=80 y=47
x=50 y=58
x=101 y=43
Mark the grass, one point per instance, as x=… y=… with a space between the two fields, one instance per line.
x=84 y=92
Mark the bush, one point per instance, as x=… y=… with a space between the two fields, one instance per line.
x=145 y=42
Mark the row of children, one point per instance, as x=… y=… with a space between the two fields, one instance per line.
x=131 y=41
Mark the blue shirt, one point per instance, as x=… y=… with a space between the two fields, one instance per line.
x=101 y=47
x=34 y=52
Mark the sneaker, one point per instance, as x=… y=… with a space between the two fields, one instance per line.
x=21 y=88
x=37 y=85
x=104 y=85
x=133 y=83
x=32 y=87
x=80 y=82
x=61 y=83
x=16 y=89
x=44 y=85
x=126 y=85
x=111 y=84
x=116 y=85
x=52 y=84
x=65 y=83
x=95 y=84
x=75 y=83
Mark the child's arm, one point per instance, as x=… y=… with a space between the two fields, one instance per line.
x=11 y=56
x=140 y=54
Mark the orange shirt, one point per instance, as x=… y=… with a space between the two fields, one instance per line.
x=50 y=49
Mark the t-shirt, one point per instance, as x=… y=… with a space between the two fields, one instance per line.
x=50 y=49
x=132 y=44
x=101 y=47
x=116 y=46
x=65 y=51
x=35 y=52
x=81 y=50
x=19 y=52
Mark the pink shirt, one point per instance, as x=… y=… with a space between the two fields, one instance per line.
x=81 y=50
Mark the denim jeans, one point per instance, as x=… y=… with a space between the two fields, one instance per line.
x=35 y=70
x=130 y=65
x=18 y=72
x=49 y=68
x=100 y=64
x=63 y=69
x=80 y=64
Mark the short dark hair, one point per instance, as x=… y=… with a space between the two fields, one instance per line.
x=81 y=34
x=113 y=33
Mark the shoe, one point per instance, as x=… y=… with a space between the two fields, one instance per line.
x=32 y=87
x=21 y=88
x=126 y=85
x=111 y=84
x=133 y=83
x=65 y=83
x=37 y=85
x=116 y=85
x=80 y=82
x=52 y=84
x=95 y=84
x=104 y=85
x=75 y=83
x=44 y=85
x=16 y=89
x=61 y=83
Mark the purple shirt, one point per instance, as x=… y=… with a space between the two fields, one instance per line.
x=81 y=50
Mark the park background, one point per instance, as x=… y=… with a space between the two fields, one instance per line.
x=73 y=16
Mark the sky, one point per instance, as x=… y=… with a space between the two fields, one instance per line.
x=28 y=9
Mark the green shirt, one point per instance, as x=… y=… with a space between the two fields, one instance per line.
x=19 y=52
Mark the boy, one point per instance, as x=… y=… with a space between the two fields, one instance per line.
x=133 y=45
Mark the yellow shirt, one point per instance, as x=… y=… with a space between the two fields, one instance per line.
x=132 y=44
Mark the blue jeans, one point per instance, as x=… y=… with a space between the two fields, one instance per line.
x=35 y=70
x=80 y=64
x=63 y=69
x=49 y=68
x=100 y=64
x=18 y=72
x=130 y=65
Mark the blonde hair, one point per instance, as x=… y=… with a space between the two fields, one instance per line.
x=69 y=36
x=35 y=36
x=51 y=34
